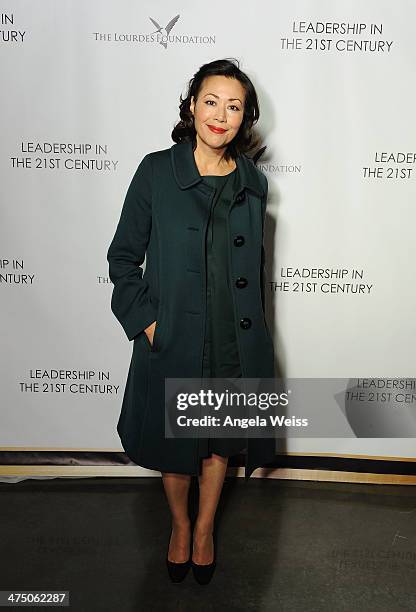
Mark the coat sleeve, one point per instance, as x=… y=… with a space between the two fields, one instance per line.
x=130 y=300
x=263 y=253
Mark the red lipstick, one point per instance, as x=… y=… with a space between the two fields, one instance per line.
x=216 y=129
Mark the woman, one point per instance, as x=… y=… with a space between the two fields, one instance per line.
x=196 y=211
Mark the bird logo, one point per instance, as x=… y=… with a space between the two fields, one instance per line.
x=258 y=154
x=167 y=28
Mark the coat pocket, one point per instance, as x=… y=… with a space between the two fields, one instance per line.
x=155 y=347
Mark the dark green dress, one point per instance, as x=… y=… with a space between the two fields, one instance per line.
x=221 y=355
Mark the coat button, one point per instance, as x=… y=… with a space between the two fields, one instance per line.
x=245 y=323
x=240 y=197
x=241 y=282
x=239 y=241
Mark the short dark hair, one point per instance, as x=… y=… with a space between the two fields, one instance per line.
x=245 y=140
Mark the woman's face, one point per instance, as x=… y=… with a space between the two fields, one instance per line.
x=220 y=105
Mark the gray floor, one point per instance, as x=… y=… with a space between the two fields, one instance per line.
x=282 y=545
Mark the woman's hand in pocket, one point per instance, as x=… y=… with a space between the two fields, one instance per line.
x=150 y=332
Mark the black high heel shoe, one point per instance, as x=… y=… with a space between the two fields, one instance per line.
x=204 y=573
x=177 y=571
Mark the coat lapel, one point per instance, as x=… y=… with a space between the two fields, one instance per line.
x=187 y=175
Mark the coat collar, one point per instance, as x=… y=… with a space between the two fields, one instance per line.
x=186 y=171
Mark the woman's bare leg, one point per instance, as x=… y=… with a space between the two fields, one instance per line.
x=210 y=485
x=177 y=489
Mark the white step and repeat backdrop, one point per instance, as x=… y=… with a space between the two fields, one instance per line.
x=88 y=90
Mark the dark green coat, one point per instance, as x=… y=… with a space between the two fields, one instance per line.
x=164 y=217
